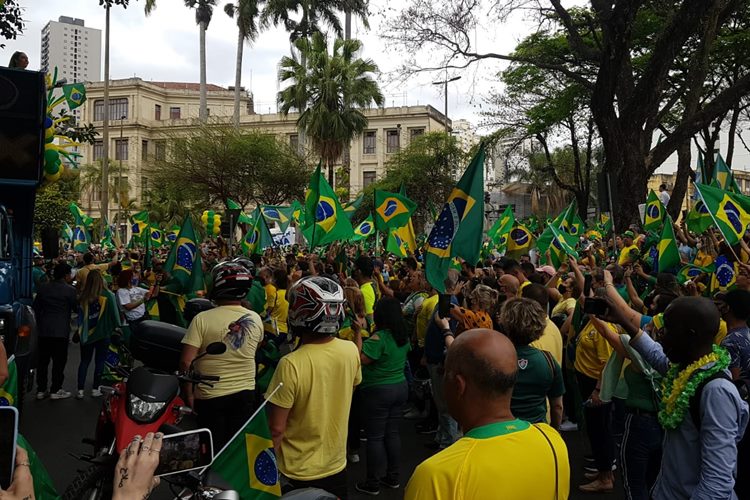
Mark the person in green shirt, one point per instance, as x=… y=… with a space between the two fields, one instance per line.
x=384 y=392
x=38 y=274
x=539 y=377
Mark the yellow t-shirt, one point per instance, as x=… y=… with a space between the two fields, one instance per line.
x=83 y=273
x=510 y=460
x=318 y=383
x=721 y=333
x=522 y=286
x=236 y=366
x=564 y=306
x=551 y=341
x=625 y=254
x=280 y=312
x=270 y=298
x=592 y=351
x=424 y=316
x=368 y=293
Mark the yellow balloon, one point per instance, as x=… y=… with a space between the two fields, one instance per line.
x=204 y=217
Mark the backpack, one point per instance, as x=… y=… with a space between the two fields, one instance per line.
x=694 y=407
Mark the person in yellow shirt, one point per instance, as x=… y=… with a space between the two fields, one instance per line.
x=362 y=273
x=311 y=390
x=551 y=339
x=281 y=307
x=499 y=456
x=226 y=406
x=592 y=353
x=630 y=252
x=265 y=275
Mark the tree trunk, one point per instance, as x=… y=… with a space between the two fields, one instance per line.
x=238 y=78
x=330 y=174
x=203 y=110
x=301 y=134
x=348 y=25
x=731 y=134
x=684 y=172
x=104 y=203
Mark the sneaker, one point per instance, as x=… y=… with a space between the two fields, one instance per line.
x=368 y=488
x=597 y=486
x=352 y=457
x=391 y=483
x=42 y=395
x=568 y=426
x=591 y=467
x=362 y=435
x=79 y=394
x=61 y=394
x=96 y=393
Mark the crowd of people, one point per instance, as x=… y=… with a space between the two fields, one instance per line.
x=508 y=355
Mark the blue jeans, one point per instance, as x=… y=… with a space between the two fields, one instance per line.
x=447 y=432
x=382 y=408
x=87 y=352
x=640 y=455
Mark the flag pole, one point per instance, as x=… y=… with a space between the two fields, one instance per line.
x=716 y=222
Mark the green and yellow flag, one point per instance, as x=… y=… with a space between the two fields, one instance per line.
x=500 y=230
x=655 y=212
x=562 y=243
x=171 y=235
x=364 y=229
x=156 y=236
x=282 y=216
x=184 y=261
x=107 y=240
x=258 y=237
x=724 y=178
x=297 y=212
x=81 y=237
x=325 y=221
x=392 y=210
x=519 y=241
x=243 y=218
x=75 y=95
x=351 y=207
x=139 y=223
x=730 y=211
x=669 y=255
x=698 y=219
x=401 y=241
x=9 y=390
x=458 y=229
x=690 y=271
x=248 y=462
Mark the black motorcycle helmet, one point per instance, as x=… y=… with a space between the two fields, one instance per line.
x=231 y=281
x=195 y=306
x=247 y=264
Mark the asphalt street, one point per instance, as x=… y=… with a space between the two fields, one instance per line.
x=55 y=430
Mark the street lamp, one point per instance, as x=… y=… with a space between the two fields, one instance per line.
x=445 y=84
x=119 y=185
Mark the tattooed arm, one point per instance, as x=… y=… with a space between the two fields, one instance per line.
x=134 y=473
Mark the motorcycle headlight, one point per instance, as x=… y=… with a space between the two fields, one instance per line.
x=144 y=411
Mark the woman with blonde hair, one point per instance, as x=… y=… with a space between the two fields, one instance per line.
x=482 y=300
x=99 y=318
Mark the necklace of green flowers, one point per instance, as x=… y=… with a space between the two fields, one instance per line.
x=678 y=386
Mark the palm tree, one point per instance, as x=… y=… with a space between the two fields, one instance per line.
x=246 y=12
x=91 y=177
x=204 y=10
x=354 y=7
x=329 y=92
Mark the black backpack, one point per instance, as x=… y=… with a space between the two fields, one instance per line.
x=743 y=387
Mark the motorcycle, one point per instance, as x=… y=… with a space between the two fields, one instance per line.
x=146 y=400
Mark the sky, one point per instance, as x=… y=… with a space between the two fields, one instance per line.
x=164 y=47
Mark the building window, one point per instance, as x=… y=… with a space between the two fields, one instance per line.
x=392 y=141
x=174 y=113
x=415 y=132
x=96 y=193
x=157 y=112
x=144 y=189
x=367 y=178
x=369 y=142
x=121 y=149
x=144 y=150
x=294 y=141
x=118 y=108
x=160 y=150
x=98 y=150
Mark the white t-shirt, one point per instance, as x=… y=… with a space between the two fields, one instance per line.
x=664 y=197
x=129 y=295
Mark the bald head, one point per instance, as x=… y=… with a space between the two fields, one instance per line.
x=486 y=360
x=509 y=284
x=691 y=323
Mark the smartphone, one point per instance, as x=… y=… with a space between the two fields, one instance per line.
x=8 y=438
x=444 y=305
x=595 y=305
x=185 y=451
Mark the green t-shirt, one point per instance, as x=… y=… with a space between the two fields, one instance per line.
x=389 y=360
x=257 y=297
x=535 y=382
x=38 y=277
x=640 y=394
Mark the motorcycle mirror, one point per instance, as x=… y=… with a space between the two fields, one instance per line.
x=215 y=348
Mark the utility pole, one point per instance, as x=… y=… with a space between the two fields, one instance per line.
x=445 y=89
x=119 y=183
x=104 y=203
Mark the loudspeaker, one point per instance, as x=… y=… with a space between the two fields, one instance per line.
x=224 y=228
x=22 y=120
x=50 y=243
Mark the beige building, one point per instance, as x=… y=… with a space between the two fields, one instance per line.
x=143 y=113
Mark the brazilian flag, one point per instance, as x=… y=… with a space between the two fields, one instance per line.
x=171 y=235
x=392 y=210
x=280 y=215
x=690 y=271
x=669 y=255
x=499 y=231
x=562 y=244
x=654 y=216
x=364 y=229
x=698 y=218
x=723 y=176
x=258 y=238
x=325 y=220
x=297 y=212
x=184 y=261
x=75 y=95
x=81 y=237
x=248 y=462
x=9 y=390
x=458 y=229
x=730 y=211
x=243 y=218
x=139 y=223
x=351 y=207
x=519 y=241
